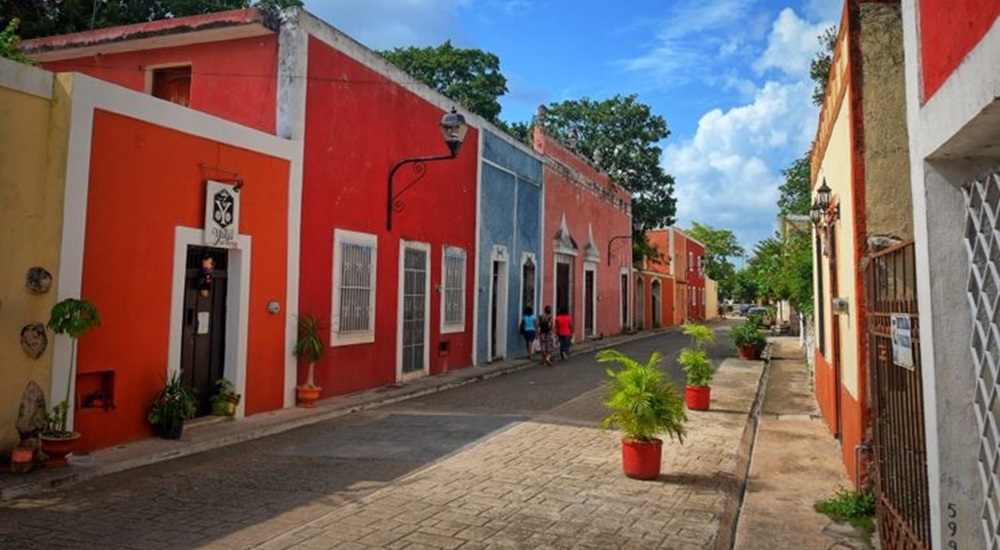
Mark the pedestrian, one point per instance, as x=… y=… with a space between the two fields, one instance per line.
x=545 y=335
x=528 y=326
x=564 y=330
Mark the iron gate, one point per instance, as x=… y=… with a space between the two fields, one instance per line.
x=900 y=455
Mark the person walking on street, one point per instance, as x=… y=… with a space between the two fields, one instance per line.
x=564 y=330
x=528 y=327
x=545 y=322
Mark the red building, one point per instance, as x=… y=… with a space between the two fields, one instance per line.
x=655 y=285
x=396 y=303
x=584 y=213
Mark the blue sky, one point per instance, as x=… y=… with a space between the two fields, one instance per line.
x=731 y=77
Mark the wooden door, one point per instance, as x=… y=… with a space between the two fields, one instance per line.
x=203 y=348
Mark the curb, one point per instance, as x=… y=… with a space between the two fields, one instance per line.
x=729 y=521
x=335 y=407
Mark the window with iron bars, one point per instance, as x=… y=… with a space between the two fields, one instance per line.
x=453 y=290
x=355 y=259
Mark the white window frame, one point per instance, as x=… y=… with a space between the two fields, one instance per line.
x=340 y=238
x=457 y=326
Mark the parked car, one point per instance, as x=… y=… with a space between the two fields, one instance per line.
x=745 y=308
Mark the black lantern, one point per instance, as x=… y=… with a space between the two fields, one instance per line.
x=823 y=195
x=453 y=130
x=816 y=214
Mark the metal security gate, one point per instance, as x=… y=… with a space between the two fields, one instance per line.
x=900 y=454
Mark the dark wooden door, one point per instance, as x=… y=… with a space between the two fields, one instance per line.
x=589 y=318
x=203 y=349
x=562 y=287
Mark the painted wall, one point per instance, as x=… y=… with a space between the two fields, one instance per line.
x=510 y=216
x=948 y=32
x=231 y=79
x=680 y=267
x=134 y=163
x=711 y=299
x=33 y=156
x=344 y=187
x=595 y=210
x=696 y=280
x=952 y=140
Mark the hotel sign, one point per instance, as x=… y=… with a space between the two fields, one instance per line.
x=222 y=215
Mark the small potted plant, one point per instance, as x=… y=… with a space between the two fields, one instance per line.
x=174 y=404
x=698 y=367
x=310 y=348
x=642 y=405
x=225 y=400
x=748 y=339
x=72 y=317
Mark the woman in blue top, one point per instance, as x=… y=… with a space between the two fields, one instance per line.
x=528 y=327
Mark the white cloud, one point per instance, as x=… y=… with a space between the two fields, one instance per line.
x=791 y=45
x=728 y=174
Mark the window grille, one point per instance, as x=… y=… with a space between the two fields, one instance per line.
x=354 y=285
x=454 y=287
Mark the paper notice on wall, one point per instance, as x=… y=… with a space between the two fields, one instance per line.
x=204 y=318
x=902 y=346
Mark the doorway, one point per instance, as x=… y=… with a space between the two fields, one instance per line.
x=203 y=331
x=498 y=306
x=564 y=283
x=655 y=305
x=624 y=290
x=589 y=301
x=640 y=305
x=414 y=318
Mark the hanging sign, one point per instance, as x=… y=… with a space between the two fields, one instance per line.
x=902 y=346
x=222 y=215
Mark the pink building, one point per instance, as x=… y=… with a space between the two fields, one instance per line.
x=584 y=211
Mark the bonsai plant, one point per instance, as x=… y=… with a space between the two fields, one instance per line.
x=72 y=317
x=174 y=404
x=225 y=400
x=642 y=405
x=698 y=367
x=310 y=348
x=748 y=339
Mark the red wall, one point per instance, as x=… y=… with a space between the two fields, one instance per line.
x=948 y=32
x=358 y=124
x=233 y=79
x=696 y=280
x=144 y=181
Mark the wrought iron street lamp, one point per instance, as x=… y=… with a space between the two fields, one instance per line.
x=820 y=213
x=636 y=227
x=453 y=129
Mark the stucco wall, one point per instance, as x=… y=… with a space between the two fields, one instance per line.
x=888 y=207
x=711 y=299
x=510 y=216
x=33 y=156
x=948 y=32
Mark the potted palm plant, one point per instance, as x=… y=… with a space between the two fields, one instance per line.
x=174 y=404
x=697 y=367
x=72 y=317
x=310 y=348
x=748 y=340
x=642 y=404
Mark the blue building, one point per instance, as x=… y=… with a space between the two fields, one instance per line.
x=509 y=270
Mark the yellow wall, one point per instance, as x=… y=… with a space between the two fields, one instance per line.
x=31 y=195
x=836 y=168
x=711 y=299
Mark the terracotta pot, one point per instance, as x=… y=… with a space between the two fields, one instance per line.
x=307 y=396
x=698 y=398
x=57 y=448
x=749 y=352
x=641 y=459
x=21 y=460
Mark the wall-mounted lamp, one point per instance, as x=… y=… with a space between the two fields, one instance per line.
x=636 y=227
x=453 y=129
x=820 y=213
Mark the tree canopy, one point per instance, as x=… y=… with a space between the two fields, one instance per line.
x=470 y=76
x=795 y=194
x=51 y=17
x=720 y=246
x=620 y=135
x=819 y=68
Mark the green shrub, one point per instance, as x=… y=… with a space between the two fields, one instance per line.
x=641 y=402
x=697 y=367
x=854 y=507
x=748 y=334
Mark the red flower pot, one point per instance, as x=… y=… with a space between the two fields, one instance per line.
x=307 y=396
x=749 y=352
x=698 y=397
x=57 y=448
x=641 y=459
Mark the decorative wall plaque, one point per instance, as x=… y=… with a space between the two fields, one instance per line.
x=34 y=340
x=38 y=280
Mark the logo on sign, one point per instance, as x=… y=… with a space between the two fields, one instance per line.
x=222 y=212
x=222 y=215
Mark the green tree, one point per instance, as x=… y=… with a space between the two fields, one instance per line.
x=795 y=194
x=620 y=136
x=819 y=68
x=8 y=43
x=51 y=17
x=720 y=246
x=470 y=76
